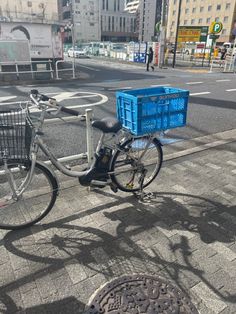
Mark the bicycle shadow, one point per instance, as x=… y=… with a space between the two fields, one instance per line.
x=117 y=248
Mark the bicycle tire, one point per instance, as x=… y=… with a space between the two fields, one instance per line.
x=42 y=174
x=115 y=178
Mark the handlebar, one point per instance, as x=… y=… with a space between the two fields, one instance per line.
x=37 y=98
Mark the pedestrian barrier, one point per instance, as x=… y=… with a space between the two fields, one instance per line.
x=37 y=69
x=66 y=69
x=220 y=65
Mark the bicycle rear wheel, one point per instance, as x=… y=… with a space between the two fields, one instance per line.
x=136 y=154
x=35 y=202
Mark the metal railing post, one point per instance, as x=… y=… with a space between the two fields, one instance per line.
x=57 y=74
x=211 y=66
x=89 y=135
x=17 y=71
x=51 y=70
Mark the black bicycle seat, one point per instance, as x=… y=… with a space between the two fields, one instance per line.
x=107 y=125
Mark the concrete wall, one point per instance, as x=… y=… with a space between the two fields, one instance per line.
x=44 y=11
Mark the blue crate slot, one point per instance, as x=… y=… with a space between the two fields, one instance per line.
x=145 y=111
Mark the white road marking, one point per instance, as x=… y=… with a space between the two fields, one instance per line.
x=68 y=96
x=89 y=68
x=201 y=93
x=194 y=83
x=160 y=85
x=223 y=80
x=3 y=98
x=231 y=90
x=121 y=88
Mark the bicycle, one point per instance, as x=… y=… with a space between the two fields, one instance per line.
x=29 y=187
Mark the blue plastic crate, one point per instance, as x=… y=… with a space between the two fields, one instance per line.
x=146 y=111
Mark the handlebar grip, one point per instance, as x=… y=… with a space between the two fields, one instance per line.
x=69 y=111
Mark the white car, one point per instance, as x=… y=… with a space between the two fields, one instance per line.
x=77 y=52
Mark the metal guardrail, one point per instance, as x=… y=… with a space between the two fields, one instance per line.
x=88 y=117
x=219 y=64
x=63 y=70
x=32 y=64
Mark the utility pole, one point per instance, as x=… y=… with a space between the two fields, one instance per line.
x=177 y=33
x=72 y=28
x=162 y=41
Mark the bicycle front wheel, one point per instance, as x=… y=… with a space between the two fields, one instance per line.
x=136 y=154
x=34 y=203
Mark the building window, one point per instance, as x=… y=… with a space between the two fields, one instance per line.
x=200 y=21
x=91 y=24
x=172 y=23
x=208 y=20
x=186 y=11
x=185 y=22
x=201 y=9
x=113 y=23
x=107 y=5
x=193 y=21
x=76 y=1
x=226 y=18
x=91 y=13
x=171 y=34
x=218 y=7
x=209 y=7
x=118 y=5
x=124 y=24
x=66 y=15
x=187 y=1
x=174 y=12
x=109 y=23
x=223 y=32
x=194 y=10
x=227 y=6
x=175 y=1
x=64 y=3
x=114 y=5
x=217 y=19
x=103 y=4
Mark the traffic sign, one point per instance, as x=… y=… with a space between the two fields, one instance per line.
x=216 y=27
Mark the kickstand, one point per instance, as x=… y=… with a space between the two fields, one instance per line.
x=140 y=195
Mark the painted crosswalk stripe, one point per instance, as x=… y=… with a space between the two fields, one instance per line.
x=223 y=80
x=231 y=90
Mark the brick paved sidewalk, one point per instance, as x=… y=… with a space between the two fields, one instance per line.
x=185 y=232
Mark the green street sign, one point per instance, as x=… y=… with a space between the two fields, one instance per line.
x=216 y=27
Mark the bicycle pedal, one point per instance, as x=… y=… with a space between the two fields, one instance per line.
x=114 y=188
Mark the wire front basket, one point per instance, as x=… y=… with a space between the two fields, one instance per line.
x=15 y=136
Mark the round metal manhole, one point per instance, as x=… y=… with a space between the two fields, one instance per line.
x=140 y=294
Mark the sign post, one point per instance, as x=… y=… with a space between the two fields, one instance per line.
x=215 y=29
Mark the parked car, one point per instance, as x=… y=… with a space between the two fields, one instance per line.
x=77 y=52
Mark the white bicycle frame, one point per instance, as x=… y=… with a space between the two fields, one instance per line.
x=39 y=143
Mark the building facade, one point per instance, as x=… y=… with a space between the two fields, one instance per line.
x=149 y=15
x=98 y=20
x=116 y=23
x=85 y=16
x=202 y=13
x=34 y=11
x=132 y=6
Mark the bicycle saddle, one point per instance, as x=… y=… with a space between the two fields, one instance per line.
x=107 y=125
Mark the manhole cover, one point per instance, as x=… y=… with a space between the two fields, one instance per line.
x=140 y=294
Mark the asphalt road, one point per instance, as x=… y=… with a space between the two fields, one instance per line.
x=211 y=108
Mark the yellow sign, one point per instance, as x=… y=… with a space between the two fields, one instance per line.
x=216 y=27
x=189 y=34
